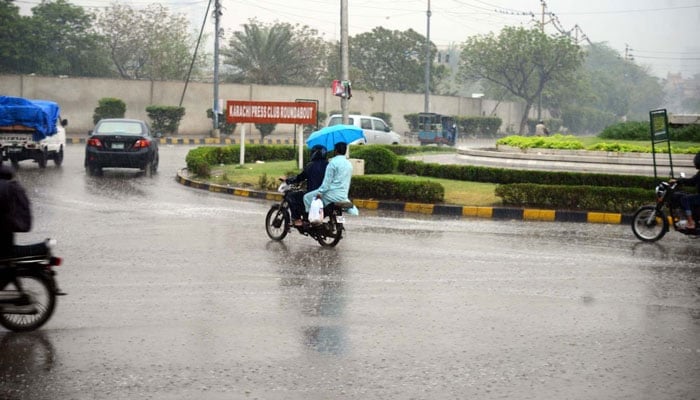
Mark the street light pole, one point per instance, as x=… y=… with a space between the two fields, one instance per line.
x=215 y=108
x=427 y=63
x=344 y=57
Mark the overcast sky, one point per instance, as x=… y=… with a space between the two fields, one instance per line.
x=661 y=34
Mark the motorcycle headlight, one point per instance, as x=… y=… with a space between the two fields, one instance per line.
x=660 y=191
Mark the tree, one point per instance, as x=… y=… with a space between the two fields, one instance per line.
x=147 y=44
x=14 y=54
x=55 y=40
x=522 y=61
x=392 y=61
x=276 y=54
x=63 y=42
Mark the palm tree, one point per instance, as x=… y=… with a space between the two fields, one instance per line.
x=275 y=54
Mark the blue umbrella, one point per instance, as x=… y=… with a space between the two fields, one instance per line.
x=333 y=134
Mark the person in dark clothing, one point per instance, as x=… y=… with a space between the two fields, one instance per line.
x=689 y=201
x=15 y=213
x=313 y=174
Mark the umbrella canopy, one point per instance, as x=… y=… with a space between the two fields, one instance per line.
x=333 y=134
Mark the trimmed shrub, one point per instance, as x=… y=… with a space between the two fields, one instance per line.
x=109 y=107
x=378 y=159
x=632 y=130
x=385 y=116
x=505 y=176
x=225 y=127
x=165 y=119
x=383 y=188
x=589 y=198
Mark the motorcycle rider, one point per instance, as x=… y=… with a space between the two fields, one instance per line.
x=15 y=213
x=336 y=183
x=689 y=201
x=313 y=174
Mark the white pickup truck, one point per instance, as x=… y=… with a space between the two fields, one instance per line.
x=31 y=130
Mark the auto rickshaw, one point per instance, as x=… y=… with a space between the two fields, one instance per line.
x=437 y=129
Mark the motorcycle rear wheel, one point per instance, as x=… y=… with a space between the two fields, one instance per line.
x=277 y=222
x=334 y=233
x=42 y=298
x=649 y=224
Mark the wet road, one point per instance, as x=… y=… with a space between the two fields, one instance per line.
x=177 y=293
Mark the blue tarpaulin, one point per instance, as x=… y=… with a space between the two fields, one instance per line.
x=40 y=115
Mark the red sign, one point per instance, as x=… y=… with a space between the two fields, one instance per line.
x=271 y=112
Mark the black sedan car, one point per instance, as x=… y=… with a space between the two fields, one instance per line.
x=121 y=143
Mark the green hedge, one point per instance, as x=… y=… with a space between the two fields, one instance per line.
x=466 y=125
x=165 y=119
x=591 y=198
x=384 y=188
x=378 y=159
x=505 y=176
x=636 y=130
x=109 y=107
x=478 y=126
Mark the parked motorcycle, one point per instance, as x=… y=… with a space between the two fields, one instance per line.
x=278 y=222
x=651 y=222
x=28 y=287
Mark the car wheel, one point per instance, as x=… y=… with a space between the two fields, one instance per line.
x=42 y=159
x=148 y=169
x=93 y=170
x=154 y=168
x=58 y=157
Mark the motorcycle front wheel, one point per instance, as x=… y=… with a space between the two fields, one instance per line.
x=649 y=224
x=34 y=309
x=277 y=222
x=333 y=232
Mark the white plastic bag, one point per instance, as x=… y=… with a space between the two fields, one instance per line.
x=316 y=211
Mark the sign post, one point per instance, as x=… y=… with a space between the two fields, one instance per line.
x=270 y=112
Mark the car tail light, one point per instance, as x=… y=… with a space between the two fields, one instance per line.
x=55 y=261
x=94 y=142
x=141 y=144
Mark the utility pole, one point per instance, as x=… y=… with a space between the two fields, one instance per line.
x=539 y=100
x=628 y=56
x=426 y=106
x=344 y=57
x=215 y=108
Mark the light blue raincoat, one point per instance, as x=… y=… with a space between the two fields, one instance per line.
x=336 y=182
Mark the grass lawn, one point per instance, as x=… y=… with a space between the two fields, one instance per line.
x=264 y=175
x=249 y=175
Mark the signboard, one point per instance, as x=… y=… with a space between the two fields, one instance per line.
x=271 y=112
x=659 y=125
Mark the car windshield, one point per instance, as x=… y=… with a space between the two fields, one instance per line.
x=120 y=127
x=339 y=120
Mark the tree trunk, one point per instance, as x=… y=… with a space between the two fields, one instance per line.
x=523 y=121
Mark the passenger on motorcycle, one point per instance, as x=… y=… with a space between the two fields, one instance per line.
x=336 y=183
x=313 y=174
x=690 y=201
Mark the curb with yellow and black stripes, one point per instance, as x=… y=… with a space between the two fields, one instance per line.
x=526 y=214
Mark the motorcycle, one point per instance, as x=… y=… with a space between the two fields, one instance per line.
x=28 y=287
x=651 y=222
x=278 y=222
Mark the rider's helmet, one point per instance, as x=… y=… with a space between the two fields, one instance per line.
x=696 y=161
x=318 y=152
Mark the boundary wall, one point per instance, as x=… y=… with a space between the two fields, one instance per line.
x=78 y=98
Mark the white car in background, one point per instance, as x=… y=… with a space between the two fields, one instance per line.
x=376 y=130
